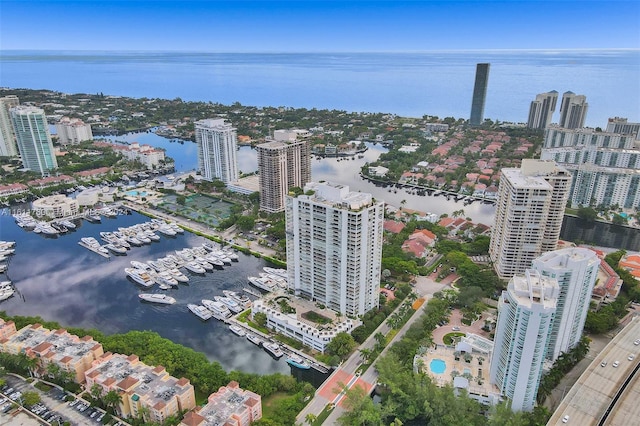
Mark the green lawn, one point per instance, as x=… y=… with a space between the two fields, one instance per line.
x=448 y=338
x=271 y=402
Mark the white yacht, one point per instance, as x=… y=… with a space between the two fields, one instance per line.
x=133 y=240
x=185 y=255
x=222 y=256
x=263 y=283
x=254 y=338
x=273 y=349
x=142 y=237
x=231 y=255
x=69 y=224
x=163 y=229
x=206 y=265
x=214 y=261
x=90 y=241
x=140 y=265
x=6 y=293
x=230 y=303
x=152 y=235
x=275 y=271
x=237 y=330
x=241 y=299
x=7 y=244
x=167 y=262
x=178 y=276
x=141 y=277
x=3 y=268
x=218 y=308
x=174 y=226
x=202 y=312
x=157 y=298
x=165 y=277
x=209 y=246
x=115 y=248
x=157 y=265
x=194 y=267
x=280 y=282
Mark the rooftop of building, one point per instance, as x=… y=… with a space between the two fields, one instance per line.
x=227 y=401
x=534 y=289
x=337 y=195
x=560 y=258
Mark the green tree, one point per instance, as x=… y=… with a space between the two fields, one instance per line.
x=30 y=398
x=246 y=223
x=341 y=345
x=359 y=409
x=587 y=214
x=310 y=418
x=260 y=318
x=112 y=399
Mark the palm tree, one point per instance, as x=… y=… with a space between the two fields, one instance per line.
x=310 y=418
x=112 y=400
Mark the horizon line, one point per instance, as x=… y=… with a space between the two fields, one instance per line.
x=578 y=49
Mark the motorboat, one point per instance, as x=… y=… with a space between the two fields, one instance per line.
x=90 y=241
x=238 y=297
x=142 y=237
x=93 y=218
x=140 y=265
x=68 y=224
x=6 y=293
x=203 y=262
x=177 y=275
x=3 y=268
x=233 y=306
x=167 y=262
x=163 y=229
x=115 y=248
x=275 y=271
x=157 y=265
x=152 y=235
x=280 y=282
x=133 y=240
x=209 y=246
x=185 y=255
x=218 y=308
x=263 y=283
x=200 y=311
x=215 y=261
x=273 y=349
x=237 y=330
x=194 y=267
x=298 y=361
x=165 y=277
x=7 y=244
x=157 y=298
x=231 y=255
x=141 y=277
x=254 y=338
x=174 y=226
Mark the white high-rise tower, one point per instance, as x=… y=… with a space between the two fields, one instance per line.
x=542 y=109
x=573 y=110
x=334 y=247
x=576 y=270
x=529 y=213
x=217 y=147
x=525 y=315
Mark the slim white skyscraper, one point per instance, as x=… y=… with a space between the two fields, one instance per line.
x=542 y=109
x=8 y=144
x=573 y=110
x=529 y=213
x=217 y=147
x=282 y=166
x=34 y=140
x=576 y=271
x=334 y=247
x=525 y=315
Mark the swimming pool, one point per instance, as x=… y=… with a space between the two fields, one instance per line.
x=134 y=193
x=437 y=366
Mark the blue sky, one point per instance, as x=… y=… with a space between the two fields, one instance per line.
x=311 y=26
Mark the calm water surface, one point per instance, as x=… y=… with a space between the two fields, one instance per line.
x=61 y=281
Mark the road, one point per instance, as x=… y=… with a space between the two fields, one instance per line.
x=346 y=374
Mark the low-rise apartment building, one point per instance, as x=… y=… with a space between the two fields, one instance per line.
x=230 y=406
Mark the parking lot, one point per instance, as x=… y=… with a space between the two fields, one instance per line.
x=55 y=407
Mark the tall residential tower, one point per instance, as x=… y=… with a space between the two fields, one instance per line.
x=542 y=109
x=217 y=147
x=334 y=247
x=34 y=140
x=282 y=166
x=8 y=145
x=529 y=213
x=525 y=315
x=479 y=94
x=576 y=270
x=573 y=110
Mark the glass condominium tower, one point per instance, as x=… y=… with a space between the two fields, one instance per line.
x=479 y=94
x=33 y=138
x=217 y=147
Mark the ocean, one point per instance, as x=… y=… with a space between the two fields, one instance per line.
x=407 y=84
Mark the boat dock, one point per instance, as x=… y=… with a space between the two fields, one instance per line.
x=94 y=249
